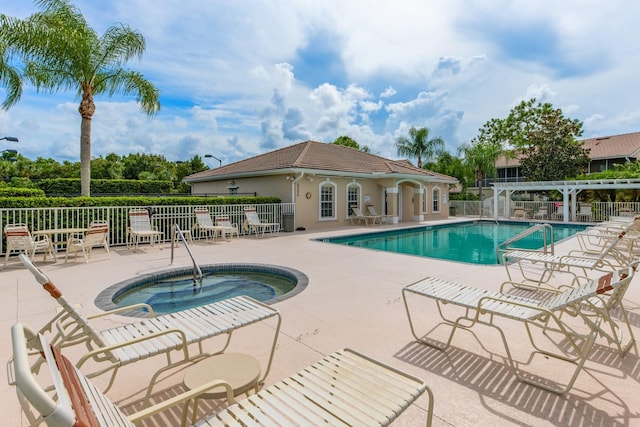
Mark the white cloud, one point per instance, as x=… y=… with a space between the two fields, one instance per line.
x=229 y=84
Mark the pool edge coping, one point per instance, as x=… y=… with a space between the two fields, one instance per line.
x=104 y=300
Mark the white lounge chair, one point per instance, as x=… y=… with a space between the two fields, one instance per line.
x=359 y=216
x=20 y=240
x=538 y=267
x=344 y=388
x=255 y=225
x=519 y=213
x=542 y=213
x=584 y=212
x=373 y=215
x=140 y=229
x=228 y=229
x=75 y=400
x=482 y=307
x=205 y=225
x=112 y=348
x=96 y=235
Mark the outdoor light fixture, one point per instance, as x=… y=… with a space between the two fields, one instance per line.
x=9 y=138
x=209 y=156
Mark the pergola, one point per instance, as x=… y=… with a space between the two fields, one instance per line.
x=569 y=190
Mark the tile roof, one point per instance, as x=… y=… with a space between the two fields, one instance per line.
x=607 y=147
x=626 y=145
x=318 y=156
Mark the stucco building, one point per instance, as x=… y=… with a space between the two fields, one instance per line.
x=326 y=180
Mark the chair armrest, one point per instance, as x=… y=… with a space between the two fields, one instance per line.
x=533 y=306
x=126 y=308
x=106 y=349
x=183 y=397
x=520 y=285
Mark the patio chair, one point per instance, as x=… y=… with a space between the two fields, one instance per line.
x=558 y=211
x=140 y=229
x=228 y=229
x=359 y=216
x=548 y=311
x=96 y=235
x=519 y=213
x=20 y=240
x=255 y=225
x=76 y=401
x=373 y=215
x=112 y=348
x=344 y=388
x=584 y=212
x=205 y=225
x=610 y=256
x=542 y=213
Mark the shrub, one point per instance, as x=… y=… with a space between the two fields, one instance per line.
x=20 y=192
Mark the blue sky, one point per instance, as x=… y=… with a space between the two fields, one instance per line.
x=240 y=78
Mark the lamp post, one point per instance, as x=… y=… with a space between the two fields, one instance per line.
x=9 y=138
x=210 y=156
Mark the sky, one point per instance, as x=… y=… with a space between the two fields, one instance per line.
x=244 y=77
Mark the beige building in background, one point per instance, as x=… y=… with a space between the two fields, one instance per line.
x=326 y=180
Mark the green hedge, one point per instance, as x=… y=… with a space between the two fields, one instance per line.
x=105 y=186
x=20 y=192
x=47 y=202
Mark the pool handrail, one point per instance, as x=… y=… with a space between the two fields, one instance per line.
x=546 y=248
x=197 y=272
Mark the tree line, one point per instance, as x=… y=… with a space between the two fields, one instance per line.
x=19 y=171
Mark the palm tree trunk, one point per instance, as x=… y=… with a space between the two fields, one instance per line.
x=85 y=157
x=86 y=110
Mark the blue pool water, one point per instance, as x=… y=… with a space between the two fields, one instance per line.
x=472 y=242
x=175 y=290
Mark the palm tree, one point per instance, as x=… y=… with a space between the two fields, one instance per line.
x=419 y=145
x=59 y=51
x=481 y=157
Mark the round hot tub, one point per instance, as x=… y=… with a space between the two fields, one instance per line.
x=175 y=290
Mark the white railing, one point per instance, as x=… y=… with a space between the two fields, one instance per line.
x=163 y=217
x=600 y=211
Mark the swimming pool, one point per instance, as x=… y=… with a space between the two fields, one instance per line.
x=471 y=242
x=175 y=290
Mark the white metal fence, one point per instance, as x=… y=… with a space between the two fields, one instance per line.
x=162 y=217
x=600 y=211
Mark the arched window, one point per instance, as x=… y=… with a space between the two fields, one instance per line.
x=435 y=197
x=354 y=194
x=327 y=200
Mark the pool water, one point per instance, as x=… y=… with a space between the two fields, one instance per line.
x=471 y=242
x=175 y=290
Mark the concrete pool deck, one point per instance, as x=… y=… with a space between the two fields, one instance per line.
x=353 y=300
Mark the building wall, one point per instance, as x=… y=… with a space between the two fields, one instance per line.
x=305 y=193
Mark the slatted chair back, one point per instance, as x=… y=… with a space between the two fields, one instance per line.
x=229 y=228
x=18 y=237
x=224 y=221
x=139 y=220
x=252 y=217
x=77 y=402
x=69 y=324
x=97 y=233
x=203 y=218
